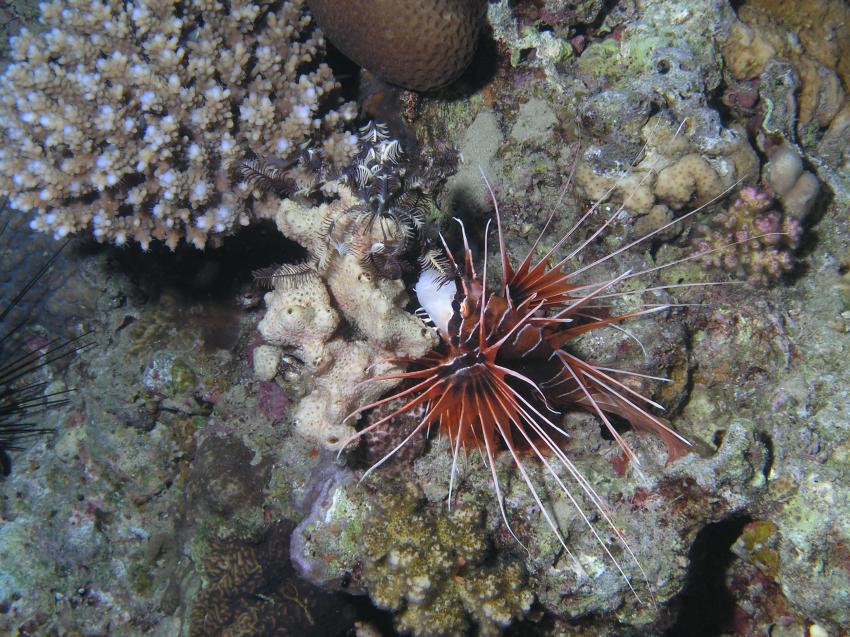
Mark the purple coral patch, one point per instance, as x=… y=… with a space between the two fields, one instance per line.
x=272 y=401
x=752 y=238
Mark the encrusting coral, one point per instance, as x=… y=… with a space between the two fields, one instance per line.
x=306 y=317
x=135 y=120
x=813 y=37
x=355 y=240
x=436 y=570
x=677 y=169
x=795 y=187
x=432 y=570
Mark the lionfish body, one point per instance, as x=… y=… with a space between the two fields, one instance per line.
x=502 y=360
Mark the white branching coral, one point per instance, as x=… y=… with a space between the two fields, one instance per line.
x=130 y=119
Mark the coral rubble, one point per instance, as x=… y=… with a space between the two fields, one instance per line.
x=131 y=120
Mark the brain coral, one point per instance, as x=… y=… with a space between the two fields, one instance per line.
x=420 y=45
x=132 y=119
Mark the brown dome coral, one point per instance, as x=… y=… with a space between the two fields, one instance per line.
x=128 y=119
x=417 y=44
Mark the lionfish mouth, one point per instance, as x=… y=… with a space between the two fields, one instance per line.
x=501 y=378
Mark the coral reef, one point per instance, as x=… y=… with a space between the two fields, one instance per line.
x=13 y=15
x=383 y=228
x=431 y=569
x=663 y=53
x=420 y=45
x=818 y=50
x=562 y=16
x=343 y=311
x=752 y=214
x=98 y=536
x=399 y=435
x=665 y=59
x=679 y=168
x=132 y=121
x=789 y=67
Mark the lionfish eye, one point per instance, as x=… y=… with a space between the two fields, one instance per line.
x=466 y=308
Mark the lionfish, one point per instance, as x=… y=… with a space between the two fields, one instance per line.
x=501 y=375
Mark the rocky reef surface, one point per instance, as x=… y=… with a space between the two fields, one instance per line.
x=179 y=494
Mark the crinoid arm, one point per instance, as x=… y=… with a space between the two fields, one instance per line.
x=289 y=274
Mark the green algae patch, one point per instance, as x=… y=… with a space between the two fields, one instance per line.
x=757 y=544
x=183 y=378
x=343 y=523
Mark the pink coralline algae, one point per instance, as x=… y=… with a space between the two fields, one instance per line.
x=752 y=238
x=272 y=401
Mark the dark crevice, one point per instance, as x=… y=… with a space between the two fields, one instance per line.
x=346 y=72
x=726 y=113
x=706 y=607
x=367 y=612
x=209 y=274
x=767 y=441
x=688 y=388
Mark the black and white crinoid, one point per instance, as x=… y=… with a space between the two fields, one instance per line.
x=387 y=225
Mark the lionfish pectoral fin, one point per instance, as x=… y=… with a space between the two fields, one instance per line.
x=677 y=446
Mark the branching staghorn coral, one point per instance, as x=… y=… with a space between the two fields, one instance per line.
x=135 y=120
